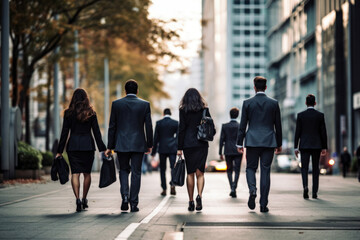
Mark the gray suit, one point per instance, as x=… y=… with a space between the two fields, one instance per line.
x=129 y=120
x=261 y=115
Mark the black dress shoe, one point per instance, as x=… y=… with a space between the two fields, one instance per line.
x=314 y=195
x=134 y=209
x=306 y=193
x=251 y=202
x=78 y=205
x=84 y=203
x=198 y=203
x=264 y=209
x=172 y=191
x=233 y=194
x=163 y=193
x=125 y=203
x=191 y=206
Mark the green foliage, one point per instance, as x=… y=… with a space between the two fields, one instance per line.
x=48 y=158
x=28 y=157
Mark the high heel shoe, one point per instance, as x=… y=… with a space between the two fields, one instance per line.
x=78 y=205
x=84 y=203
x=198 y=203
x=191 y=206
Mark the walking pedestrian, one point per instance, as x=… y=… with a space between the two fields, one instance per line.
x=260 y=115
x=232 y=156
x=165 y=143
x=345 y=161
x=358 y=161
x=310 y=140
x=79 y=119
x=130 y=135
x=195 y=151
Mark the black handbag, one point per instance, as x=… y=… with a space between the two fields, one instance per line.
x=206 y=129
x=60 y=170
x=178 y=172
x=107 y=172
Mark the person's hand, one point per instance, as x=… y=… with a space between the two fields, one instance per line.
x=222 y=157
x=240 y=150
x=108 y=152
x=278 y=150
x=323 y=152
x=296 y=153
x=148 y=151
x=179 y=152
x=58 y=155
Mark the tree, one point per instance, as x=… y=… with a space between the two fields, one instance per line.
x=35 y=32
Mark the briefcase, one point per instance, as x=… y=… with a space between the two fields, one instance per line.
x=178 y=172
x=60 y=170
x=107 y=172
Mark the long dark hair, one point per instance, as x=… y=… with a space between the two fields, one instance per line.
x=80 y=105
x=192 y=101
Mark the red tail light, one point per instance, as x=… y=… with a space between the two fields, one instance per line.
x=331 y=162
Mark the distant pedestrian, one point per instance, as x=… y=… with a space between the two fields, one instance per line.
x=310 y=140
x=192 y=106
x=233 y=158
x=130 y=135
x=165 y=143
x=345 y=161
x=79 y=119
x=358 y=161
x=260 y=126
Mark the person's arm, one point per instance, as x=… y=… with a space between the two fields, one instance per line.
x=242 y=127
x=97 y=134
x=298 y=130
x=209 y=115
x=222 y=140
x=182 y=129
x=156 y=140
x=64 y=134
x=323 y=133
x=148 y=128
x=111 y=131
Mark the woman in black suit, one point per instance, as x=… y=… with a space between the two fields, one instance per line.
x=195 y=151
x=79 y=119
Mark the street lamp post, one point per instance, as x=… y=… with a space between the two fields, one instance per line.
x=5 y=107
x=76 y=64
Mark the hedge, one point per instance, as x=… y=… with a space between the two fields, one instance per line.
x=28 y=157
x=47 y=158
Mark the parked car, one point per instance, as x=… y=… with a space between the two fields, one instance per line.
x=286 y=163
x=216 y=165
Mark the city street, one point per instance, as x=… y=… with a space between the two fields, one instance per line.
x=47 y=211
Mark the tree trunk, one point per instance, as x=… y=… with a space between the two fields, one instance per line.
x=14 y=75
x=48 y=103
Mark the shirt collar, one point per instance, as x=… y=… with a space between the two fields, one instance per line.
x=260 y=92
x=233 y=119
x=131 y=94
x=166 y=116
x=310 y=107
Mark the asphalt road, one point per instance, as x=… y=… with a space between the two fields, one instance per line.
x=47 y=211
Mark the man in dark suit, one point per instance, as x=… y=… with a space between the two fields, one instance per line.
x=310 y=140
x=345 y=161
x=165 y=143
x=129 y=116
x=233 y=158
x=261 y=115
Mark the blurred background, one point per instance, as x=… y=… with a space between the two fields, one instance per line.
x=216 y=46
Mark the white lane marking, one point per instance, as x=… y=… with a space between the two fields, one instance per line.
x=155 y=211
x=31 y=197
x=126 y=233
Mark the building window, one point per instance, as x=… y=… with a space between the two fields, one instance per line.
x=236 y=54
x=257 y=10
x=237 y=44
x=247 y=2
x=247 y=65
x=247 y=54
x=257 y=54
x=236 y=32
x=256 y=44
x=237 y=2
x=237 y=23
x=256 y=2
x=256 y=23
x=247 y=44
x=236 y=66
x=257 y=32
x=247 y=32
x=236 y=95
x=247 y=10
x=257 y=66
x=247 y=75
x=237 y=11
x=236 y=75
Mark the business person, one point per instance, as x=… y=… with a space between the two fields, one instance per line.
x=345 y=161
x=79 y=119
x=165 y=143
x=130 y=135
x=261 y=116
x=233 y=158
x=310 y=140
x=195 y=151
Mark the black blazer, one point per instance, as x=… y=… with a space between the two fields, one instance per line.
x=129 y=116
x=165 y=138
x=80 y=134
x=228 y=138
x=310 y=130
x=188 y=129
x=260 y=123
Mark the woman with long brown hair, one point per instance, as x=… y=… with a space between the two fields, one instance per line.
x=192 y=106
x=79 y=119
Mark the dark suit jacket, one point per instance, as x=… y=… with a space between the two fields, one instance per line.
x=228 y=138
x=128 y=117
x=261 y=115
x=310 y=130
x=188 y=129
x=165 y=138
x=80 y=134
